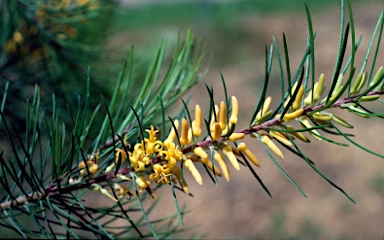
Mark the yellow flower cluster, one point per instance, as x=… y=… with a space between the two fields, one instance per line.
x=154 y=161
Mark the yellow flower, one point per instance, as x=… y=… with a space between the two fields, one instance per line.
x=143 y=183
x=90 y=163
x=162 y=173
x=139 y=161
x=121 y=191
x=172 y=151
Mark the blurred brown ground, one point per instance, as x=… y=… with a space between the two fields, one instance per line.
x=240 y=208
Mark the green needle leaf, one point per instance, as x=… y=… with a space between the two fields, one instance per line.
x=176 y=202
x=279 y=167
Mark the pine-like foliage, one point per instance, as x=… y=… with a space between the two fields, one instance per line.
x=50 y=170
x=51 y=43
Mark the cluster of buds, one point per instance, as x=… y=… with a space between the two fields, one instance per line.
x=87 y=168
x=153 y=161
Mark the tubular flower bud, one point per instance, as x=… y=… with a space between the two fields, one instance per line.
x=223 y=115
x=227 y=150
x=377 y=78
x=299 y=135
x=312 y=132
x=176 y=171
x=293 y=89
x=319 y=88
x=263 y=118
x=362 y=82
x=216 y=134
x=184 y=132
x=272 y=146
x=267 y=103
x=322 y=116
x=291 y=116
x=356 y=84
x=196 y=125
x=198 y=151
x=297 y=103
x=98 y=188
x=219 y=158
x=123 y=177
x=191 y=167
x=308 y=99
x=338 y=84
x=193 y=158
x=236 y=136
x=342 y=122
x=235 y=110
x=236 y=151
x=189 y=135
x=209 y=164
x=335 y=93
x=369 y=98
x=172 y=134
x=280 y=137
x=243 y=148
